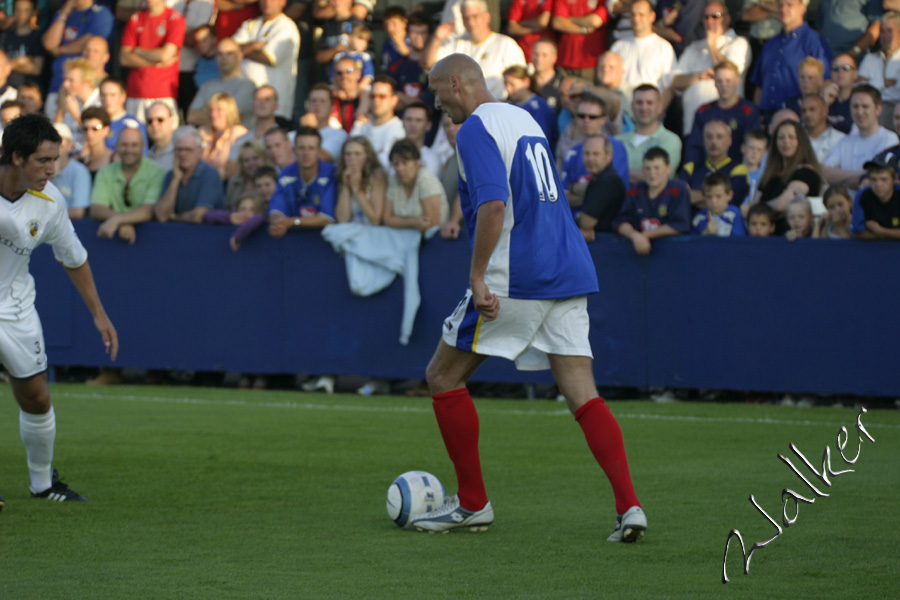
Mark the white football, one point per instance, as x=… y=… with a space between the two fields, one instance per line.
x=412 y=494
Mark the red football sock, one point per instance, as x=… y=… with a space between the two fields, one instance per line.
x=604 y=438
x=458 y=421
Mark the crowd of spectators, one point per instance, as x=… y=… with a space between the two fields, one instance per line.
x=705 y=117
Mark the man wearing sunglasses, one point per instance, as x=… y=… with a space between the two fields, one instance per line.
x=693 y=77
x=590 y=118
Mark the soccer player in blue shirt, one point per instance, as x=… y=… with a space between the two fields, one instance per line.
x=530 y=274
x=307 y=189
x=656 y=207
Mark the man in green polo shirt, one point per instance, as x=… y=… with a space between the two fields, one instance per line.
x=125 y=191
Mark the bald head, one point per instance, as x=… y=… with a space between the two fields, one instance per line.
x=461 y=66
x=459 y=86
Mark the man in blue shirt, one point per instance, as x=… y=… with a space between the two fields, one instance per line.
x=530 y=274
x=74 y=25
x=776 y=71
x=307 y=189
x=192 y=187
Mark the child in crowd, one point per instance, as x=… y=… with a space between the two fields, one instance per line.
x=761 y=220
x=835 y=224
x=877 y=214
x=753 y=149
x=656 y=207
x=799 y=216
x=249 y=213
x=720 y=218
x=395 y=45
x=265 y=181
x=357 y=49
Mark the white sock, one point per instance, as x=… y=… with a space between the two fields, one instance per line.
x=38 y=433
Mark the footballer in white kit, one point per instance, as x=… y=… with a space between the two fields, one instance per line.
x=529 y=278
x=33 y=212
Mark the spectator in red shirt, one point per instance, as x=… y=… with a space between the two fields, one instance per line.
x=529 y=21
x=151 y=48
x=582 y=35
x=231 y=13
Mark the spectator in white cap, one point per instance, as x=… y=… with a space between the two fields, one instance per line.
x=72 y=178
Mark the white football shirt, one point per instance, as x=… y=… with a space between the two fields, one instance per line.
x=25 y=224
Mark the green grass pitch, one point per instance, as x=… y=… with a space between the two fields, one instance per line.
x=216 y=493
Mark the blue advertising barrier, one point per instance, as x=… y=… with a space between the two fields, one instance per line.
x=815 y=316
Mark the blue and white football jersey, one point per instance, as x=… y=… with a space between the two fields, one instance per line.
x=504 y=155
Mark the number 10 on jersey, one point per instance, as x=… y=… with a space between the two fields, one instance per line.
x=542 y=165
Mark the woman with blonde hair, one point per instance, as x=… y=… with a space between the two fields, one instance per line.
x=225 y=127
x=362 y=183
x=251 y=156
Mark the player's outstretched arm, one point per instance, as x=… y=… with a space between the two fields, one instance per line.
x=83 y=280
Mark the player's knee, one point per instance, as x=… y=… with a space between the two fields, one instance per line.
x=35 y=402
x=437 y=379
x=32 y=395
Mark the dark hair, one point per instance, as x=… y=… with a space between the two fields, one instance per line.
x=757 y=134
x=95 y=112
x=114 y=81
x=778 y=165
x=714 y=179
x=836 y=190
x=419 y=104
x=871 y=90
x=394 y=12
x=265 y=171
x=657 y=152
x=388 y=80
x=814 y=97
x=321 y=86
x=11 y=104
x=590 y=98
x=23 y=135
x=307 y=131
x=278 y=129
x=645 y=87
x=762 y=209
x=418 y=19
x=404 y=149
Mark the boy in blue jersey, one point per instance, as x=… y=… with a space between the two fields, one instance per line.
x=307 y=189
x=720 y=218
x=656 y=207
x=525 y=305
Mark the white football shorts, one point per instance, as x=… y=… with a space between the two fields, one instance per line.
x=525 y=331
x=22 y=346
